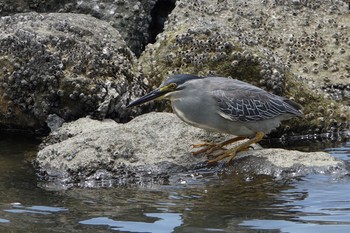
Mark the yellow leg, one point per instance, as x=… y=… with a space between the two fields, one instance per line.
x=211 y=147
x=231 y=153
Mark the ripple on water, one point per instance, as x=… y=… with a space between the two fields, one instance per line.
x=18 y=208
x=158 y=222
x=196 y=202
x=317 y=203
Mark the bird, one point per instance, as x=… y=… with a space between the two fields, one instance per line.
x=223 y=105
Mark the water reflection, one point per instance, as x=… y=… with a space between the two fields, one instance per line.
x=155 y=222
x=215 y=207
x=18 y=208
x=321 y=203
x=289 y=226
x=205 y=202
x=4 y=220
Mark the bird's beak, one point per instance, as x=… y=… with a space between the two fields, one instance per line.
x=148 y=97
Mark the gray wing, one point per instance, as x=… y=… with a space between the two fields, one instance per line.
x=253 y=104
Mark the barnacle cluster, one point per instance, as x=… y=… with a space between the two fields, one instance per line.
x=313 y=46
x=52 y=64
x=282 y=46
x=131 y=17
x=72 y=65
x=205 y=52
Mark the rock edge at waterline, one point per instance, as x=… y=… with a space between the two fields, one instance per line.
x=150 y=149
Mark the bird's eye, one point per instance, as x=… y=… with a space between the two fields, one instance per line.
x=172 y=85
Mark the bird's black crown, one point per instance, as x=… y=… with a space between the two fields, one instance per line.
x=180 y=79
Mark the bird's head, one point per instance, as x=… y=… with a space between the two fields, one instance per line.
x=171 y=85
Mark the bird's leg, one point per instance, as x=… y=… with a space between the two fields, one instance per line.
x=231 y=153
x=211 y=147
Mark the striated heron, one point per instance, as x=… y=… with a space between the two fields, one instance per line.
x=224 y=105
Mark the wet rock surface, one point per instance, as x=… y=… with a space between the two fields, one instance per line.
x=70 y=65
x=154 y=148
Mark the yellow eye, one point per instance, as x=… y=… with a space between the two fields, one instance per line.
x=172 y=85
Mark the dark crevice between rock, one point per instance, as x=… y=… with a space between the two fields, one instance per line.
x=37 y=131
x=159 y=14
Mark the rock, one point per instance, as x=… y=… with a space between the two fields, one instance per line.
x=287 y=47
x=153 y=148
x=71 y=65
x=132 y=18
x=125 y=151
x=282 y=163
x=54 y=122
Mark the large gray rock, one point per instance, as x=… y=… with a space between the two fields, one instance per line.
x=154 y=148
x=70 y=65
x=132 y=18
x=298 y=49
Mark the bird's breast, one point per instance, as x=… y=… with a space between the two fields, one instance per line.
x=198 y=112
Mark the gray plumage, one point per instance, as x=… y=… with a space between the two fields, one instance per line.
x=245 y=102
x=225 y=105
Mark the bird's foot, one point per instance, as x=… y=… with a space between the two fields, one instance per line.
x=208 y=148
x=231 y=153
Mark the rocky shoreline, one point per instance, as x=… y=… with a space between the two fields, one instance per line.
x=71 y=67
x=153 y=148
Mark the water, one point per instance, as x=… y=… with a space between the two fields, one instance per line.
x=206 y=202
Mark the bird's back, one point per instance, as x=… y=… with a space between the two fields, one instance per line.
x=242 y=101
x=236 y=107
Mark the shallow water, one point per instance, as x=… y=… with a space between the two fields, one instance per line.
x=204 y=202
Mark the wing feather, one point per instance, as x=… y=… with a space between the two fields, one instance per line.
x=252 y=104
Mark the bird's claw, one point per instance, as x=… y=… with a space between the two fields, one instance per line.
x=202 y=144
x=231 y=154
x=208 y=149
